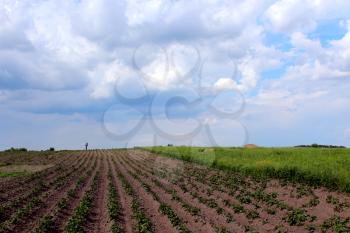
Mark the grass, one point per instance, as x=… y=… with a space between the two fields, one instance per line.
x=13 y=174
x=24 y=168
x=315 y=166
x=22 y=163
x=27 y=157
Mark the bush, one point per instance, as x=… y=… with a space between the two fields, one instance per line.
x=52 y=149
x=16 y=149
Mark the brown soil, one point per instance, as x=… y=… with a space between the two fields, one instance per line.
x=266 y=223
x=49 y=201
x=16 y=202
x=11 y=186
x=149 y=205
x=214 y=193
x=98 y=218
x=61 y=219
x=124 y=200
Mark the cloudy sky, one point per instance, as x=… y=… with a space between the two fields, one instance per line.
x=128 y=72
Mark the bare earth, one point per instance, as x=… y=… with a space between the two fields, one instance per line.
x=174 y=196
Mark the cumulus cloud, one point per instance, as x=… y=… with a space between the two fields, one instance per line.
x=53 y=52
x=296 y=15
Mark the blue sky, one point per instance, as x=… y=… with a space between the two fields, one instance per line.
x=214 y=73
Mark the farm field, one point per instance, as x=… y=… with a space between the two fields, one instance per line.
x=328 y=167
x=138 y=191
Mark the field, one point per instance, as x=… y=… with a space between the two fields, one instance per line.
x=199 y=191
x=314 y=166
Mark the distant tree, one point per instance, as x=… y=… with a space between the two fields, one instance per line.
x=52 y=149
x=16 y=149
x=314 y=145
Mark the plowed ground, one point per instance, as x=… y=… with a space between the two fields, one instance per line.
x=135 y=191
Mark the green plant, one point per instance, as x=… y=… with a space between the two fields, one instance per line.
x=113 y=207
x=45 y=225
x=296 y=217
x=313 y=202
x=336 y=224
x=251 y=214
x=310 y=228
x=62 y=204
x=75 y=223
x=71 y=193
x=313 y=166
x=174 y=219
x=143 y=224
x=331 y=200
x=222 y=230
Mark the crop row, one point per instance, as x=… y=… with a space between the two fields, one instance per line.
x=246 y=192
x=75 y=223
x=212 y=202
x=310 y=166
x=35 y=202
x=164 y=207
x=143 y=224
x=114 y=210
x=22 y=183
x=40 y=186
x=46 y=224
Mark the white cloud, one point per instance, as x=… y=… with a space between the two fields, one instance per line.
x=290 y=15
x=224 y=84
x=54 y=51
x=298 y=15
x=139 y=12
x=104 y=78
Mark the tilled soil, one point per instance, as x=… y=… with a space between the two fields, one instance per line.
x=158 y=194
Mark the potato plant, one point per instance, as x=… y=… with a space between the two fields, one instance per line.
x=75 y=223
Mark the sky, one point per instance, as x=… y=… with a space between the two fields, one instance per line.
x=119 y=73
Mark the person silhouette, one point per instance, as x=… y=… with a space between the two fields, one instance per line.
x=86 y=145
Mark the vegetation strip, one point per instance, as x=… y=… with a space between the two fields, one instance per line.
x=185 y=196
x=245 y=196
x=47 y=223
x=315 y=166
x=143 y=224
x=36 y=202
x=164 y=208
x=113 y=207
x=75 y=223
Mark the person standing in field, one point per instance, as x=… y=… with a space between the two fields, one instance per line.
x=86 y=145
